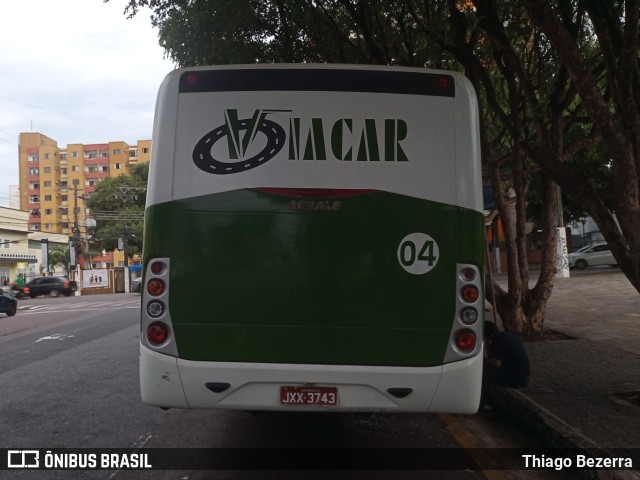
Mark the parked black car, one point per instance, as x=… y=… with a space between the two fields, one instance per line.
x=8 y=303
x=53 y=286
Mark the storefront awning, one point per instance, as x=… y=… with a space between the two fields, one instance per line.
x=15 y=257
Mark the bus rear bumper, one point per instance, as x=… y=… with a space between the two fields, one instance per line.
x=174 y=383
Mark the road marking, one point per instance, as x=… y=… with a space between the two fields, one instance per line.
x=469 y=445
x=137 y=445
x=55 y=336
x=78 y=307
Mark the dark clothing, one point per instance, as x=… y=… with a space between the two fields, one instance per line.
x=514 y=371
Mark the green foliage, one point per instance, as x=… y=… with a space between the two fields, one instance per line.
x=557 y=82
x=58 y=257
x=117 y=205
x=208 y=32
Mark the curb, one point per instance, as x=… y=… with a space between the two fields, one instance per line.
x=556 y=431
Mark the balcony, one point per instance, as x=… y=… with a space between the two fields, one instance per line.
x=96 y=161
x=95 y=175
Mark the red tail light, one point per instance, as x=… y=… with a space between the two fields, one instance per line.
x=468 y=274
x=157 y=333
x=466 y=340
x=66 y=283
x=157 y=268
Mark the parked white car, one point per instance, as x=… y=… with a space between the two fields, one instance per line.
x=591 y=256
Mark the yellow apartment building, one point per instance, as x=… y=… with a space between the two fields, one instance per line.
x=54 y=181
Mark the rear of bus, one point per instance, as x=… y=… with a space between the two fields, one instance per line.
x=314 y=240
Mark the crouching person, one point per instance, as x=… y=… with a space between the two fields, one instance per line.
x=506 y=363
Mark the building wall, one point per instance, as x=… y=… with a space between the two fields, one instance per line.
x=55 y=180
x=20 y=250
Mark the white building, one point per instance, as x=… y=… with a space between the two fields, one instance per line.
x=22 y=251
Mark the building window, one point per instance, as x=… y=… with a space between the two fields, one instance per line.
x=47 y=183
x=145 y=150
x=46 y=156
x=76 y=182
x=74 y=154
x=34 y=199
x=133 y=153
x=116 y=151
x=34 y=186
x=47 y=198
x=47 y=169
x=64 y=198
x=34 y=171
x=48 y=211
x=63 y=183
x=63 y=170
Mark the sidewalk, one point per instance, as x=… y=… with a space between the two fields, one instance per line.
x=585 y=377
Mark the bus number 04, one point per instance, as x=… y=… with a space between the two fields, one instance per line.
x=418 y=253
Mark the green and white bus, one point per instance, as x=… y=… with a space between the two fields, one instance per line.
x=314 y=240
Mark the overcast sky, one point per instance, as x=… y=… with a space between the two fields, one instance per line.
x=77 y=71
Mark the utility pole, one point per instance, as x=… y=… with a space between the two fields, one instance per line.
x=127 y=193
x=77 y=246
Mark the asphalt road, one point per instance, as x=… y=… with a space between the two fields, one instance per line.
x=69 y=379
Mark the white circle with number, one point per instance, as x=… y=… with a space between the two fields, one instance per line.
x=418 y=253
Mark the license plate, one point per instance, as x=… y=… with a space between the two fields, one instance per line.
x=314 y=396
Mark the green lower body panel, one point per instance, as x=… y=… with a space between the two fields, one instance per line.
x=256 y=278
